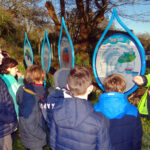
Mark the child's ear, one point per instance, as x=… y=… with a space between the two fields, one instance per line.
x=67 y=87
x=8 y=69
x=90 y=89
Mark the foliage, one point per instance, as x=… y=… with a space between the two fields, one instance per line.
x=79 y=60
x=147 y=70
x=93 y=97
x=146 y=134
x=18 y=17
x=83 y=18
x=49 y=81
x=29 y=11
x=81 y=22
x=6 y=25
x=145 y=40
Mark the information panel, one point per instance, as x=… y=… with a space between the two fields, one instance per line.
x=65 y=48
x=28 y=54
x=118 y=54
x=65 y=53
x=46 y=54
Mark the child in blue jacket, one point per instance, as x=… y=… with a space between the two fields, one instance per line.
x=125 y=124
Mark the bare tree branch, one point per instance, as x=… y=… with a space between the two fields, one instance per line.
x=62 y=6
x=87 y=6
x=51 y=11
x=53 y=15
x=98 y=5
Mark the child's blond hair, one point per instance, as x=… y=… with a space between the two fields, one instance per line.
x=34 y=74
x=79 y=79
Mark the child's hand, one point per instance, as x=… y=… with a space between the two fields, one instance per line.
x=138 y=80
x=19 y=74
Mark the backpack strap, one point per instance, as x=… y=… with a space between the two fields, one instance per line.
x=42 y=99
x=29 y=91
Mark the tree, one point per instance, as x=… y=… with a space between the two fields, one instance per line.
x=30 y=15
x=7 y=27
x=145 y=40
x=27 y=11
x=83 y=19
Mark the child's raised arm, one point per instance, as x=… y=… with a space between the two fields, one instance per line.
x=138 y=80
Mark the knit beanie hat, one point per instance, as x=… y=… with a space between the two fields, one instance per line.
x=60 y=77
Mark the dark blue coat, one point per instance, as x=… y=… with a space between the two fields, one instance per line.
x=74 y=125
x=31 y=122
x=8 y=117
x=125 y=124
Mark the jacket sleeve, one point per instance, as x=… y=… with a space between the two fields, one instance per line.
x=7 y=109
x=103 y=139
x=137 y=137
x=17 y=97
x=148 y=80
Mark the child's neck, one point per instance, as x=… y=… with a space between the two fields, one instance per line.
x=82 y=96
x=40 y=83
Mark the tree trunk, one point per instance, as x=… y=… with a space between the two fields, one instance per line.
x=39 y=48
x=1 y=3
x=52 y=51
x=53 y=15
x=62 y=5
x=87 y=23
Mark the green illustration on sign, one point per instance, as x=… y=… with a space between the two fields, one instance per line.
x=127 y=57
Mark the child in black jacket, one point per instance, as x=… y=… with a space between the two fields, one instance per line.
x=31 y=123
x=72 y=122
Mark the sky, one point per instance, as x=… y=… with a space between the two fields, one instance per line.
x=140 y=12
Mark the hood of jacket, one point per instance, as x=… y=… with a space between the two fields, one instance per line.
x=115 y=105
x=70 y=112
x=25 y=98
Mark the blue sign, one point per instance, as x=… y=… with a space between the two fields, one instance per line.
x=65 y=48
x=121 y=54
x=46 y=54
x=28 y=53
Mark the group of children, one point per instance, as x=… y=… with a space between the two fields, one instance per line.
x=74 y=124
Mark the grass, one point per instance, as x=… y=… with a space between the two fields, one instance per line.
x=146 y=134
x=18 y=146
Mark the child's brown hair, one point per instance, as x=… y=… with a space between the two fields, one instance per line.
x=79 y=79
x=7 y=63
x=34 y=74
x=115 y=82
x=5 y=54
